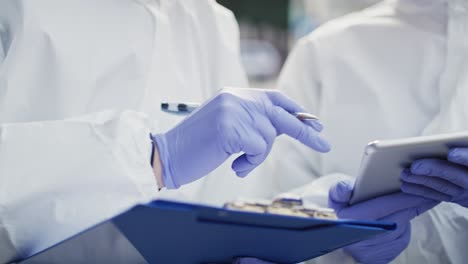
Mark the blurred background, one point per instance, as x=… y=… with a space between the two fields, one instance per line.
x=269 y=29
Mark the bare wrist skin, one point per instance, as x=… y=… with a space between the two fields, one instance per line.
x=157 y=167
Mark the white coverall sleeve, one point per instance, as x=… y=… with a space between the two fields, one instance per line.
x=58 y=178
x=303 y=171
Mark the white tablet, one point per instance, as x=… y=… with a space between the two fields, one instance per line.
x=383 y=161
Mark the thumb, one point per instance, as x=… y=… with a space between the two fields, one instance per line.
x=340 y=194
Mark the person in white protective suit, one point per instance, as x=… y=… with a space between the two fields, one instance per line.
x=397 y=69
x=76 y=77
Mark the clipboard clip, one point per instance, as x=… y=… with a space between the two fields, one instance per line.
x=287 y=204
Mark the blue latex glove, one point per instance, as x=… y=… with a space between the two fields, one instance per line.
x=235 y=120
x=442 y=180
x=398 y=207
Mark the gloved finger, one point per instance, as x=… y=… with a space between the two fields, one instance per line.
x=380 y=250
x=244 y=164
x=393 y=248
x=382 y=206
x=423 y=191
x=254 y=148
x=462 y=201
x=383 y=238
x=459 y=156
x=280 y=99
x=419 y=185
x=404 y=216
x=339 y=194
x=315 y=124
x=443 y=169
x=250 y=261
x=266 y=129
x=286 y=123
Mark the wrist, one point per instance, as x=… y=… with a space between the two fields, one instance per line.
x=161 y=163
x=157 y=166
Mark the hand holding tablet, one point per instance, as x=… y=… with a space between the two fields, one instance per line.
x=400 y=208
x=384 y=161
x=439 y=179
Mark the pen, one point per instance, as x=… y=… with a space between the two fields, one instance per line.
x=179 y=108
x=187 y=108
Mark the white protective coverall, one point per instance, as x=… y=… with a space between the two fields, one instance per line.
x=398 y=69
x=76 y=77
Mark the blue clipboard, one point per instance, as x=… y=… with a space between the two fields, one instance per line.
x=189 y=233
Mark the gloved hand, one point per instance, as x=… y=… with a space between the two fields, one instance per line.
x=235 y=120
x=399 y=208
x=250 y=261
x=442 y=180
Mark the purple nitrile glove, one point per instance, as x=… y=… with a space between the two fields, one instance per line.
x=398 y=207
x=251 y=261
x=235 y=120
x=441 y=180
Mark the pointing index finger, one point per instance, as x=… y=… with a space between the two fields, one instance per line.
x=285 y=123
